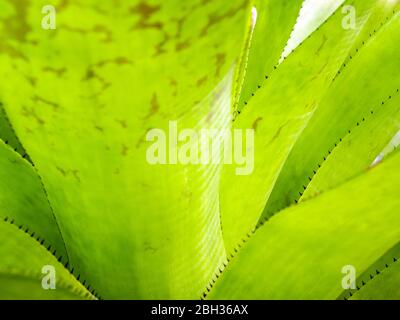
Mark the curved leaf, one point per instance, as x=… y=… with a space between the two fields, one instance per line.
x=273 y=20
x=358 y=148
x=377 y=275
x=383 y=287
x=22 y=262
x=300 y=253
x=24 y=202
x=278 y=113
x=132 y=229
x=7 y=134
x=352 y=96
x=313 y=13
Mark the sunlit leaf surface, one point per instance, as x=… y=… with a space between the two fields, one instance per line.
x=316 y=82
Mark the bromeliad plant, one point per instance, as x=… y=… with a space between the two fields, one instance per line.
x=77 y=194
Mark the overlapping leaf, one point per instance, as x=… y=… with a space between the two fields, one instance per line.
x=23 y=200
x=271 y=24
x=278 y=113
x=300 y=253
x=351 y=100
x=79 y=101
x=24 y=264
x=101 y=80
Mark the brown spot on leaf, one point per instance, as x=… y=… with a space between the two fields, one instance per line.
x=201 y=81
x=319 y=72
x=179 y=28
x=174 y=85
x=62 y=171
x=99 y=128
x=160 y=46
x=142 y=139
x=216 y=17
x=65 y=173
x=118 y=61
x=103 y=29
x=124 y=150
x=322 y=45
x=31 y=113
x=59 y=72
x=147 y=247
x=182 y=45
x=122 y=61
x=96 y=29
x=63 y=5
x=32 y=80
x=255 y=123
x=123 y=123
x=11 y=51
x=145 y=11
x=16 y=26
x=154 y=107
x=220 y=57
x=36 y=99
x=75 y=173
x=91 y=74
x=278 y=132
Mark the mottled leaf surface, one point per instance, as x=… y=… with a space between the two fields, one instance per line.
x=82 y=98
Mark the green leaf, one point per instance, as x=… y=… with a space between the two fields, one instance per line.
x=21 y=269
x=278 y=113
x=79 y=191
x=300 y=253
x=356 y=92
x=359 y=149
x=133 y=230
x=381 y=13
x=374 y=281
x=383 y=287
x=270 y=28
x=7 y=134
x=23 y=200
